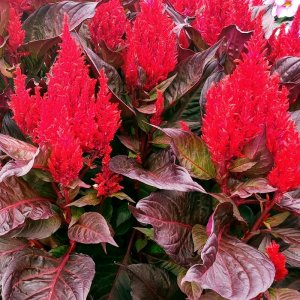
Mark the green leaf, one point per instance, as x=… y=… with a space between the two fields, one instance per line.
x=89 y=199
x=199 y=237
x=59 y=251
x=283 y=294
x=140 y=244
x=192 y=153
x=276 y=219
x=148 y=232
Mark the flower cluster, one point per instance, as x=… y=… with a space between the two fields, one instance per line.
x=109 y=25
x=15 y=31
x=186 y=7
x=238 y=109
x=68 y=118
x=149 y=58
x=286 y=42
x=278 y=259
x=156 y=119
x=225 y=13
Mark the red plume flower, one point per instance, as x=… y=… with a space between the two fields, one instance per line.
x=107 y=182
x=109 y=25
x=156 y=119
x=151 y=53
x=15 y=31
x=286 y=43
x=236 y=107
x=186 y=7
x=26 y=108
x=278 y=259
x=215 y=15
x=68 y=118
x=65 y=161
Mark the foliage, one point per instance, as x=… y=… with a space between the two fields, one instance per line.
x=149 y=150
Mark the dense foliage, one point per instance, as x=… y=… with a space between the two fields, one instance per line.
x=149 y=149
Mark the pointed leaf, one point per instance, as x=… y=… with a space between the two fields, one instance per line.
x=33 y=274
x=283 y=294
x=88 y=199
x=151 y=283
x=292 y=255
x=253 y=186
x=97 y=64
x=233 y=44
x=191 y=289
x=257 y=150
x=169 y=176
x=172 y=216
x=223 y=198
x=238 y=272
x=291 y=201
x=22 y=154
x=91 y=228
x=191 y=152
x=189 y=74
x=288 y=235
x=39 y=229
x=9 y=246
x=241 y=165
x=288 y=68
x=44 y=26
x=18 y=203
x=277 y=219
x=295 y=116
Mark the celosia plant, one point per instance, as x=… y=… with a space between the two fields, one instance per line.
x=226 y=13
x=109 y=25
x=150 y=149
x=149 y=59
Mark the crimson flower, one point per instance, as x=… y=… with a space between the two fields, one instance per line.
x=149 y=58
x=15 y=31
x=225 y=13
x=109 y=25
x=241 y=106
x=156 y=119
x=286 y=43
x=69 y=119
x=278 y=259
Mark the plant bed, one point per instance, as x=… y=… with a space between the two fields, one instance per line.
x=149 y=150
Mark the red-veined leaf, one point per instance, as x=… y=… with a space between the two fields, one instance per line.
x=238 y=271
x=91 y=228
x=149 y=282
x=168 y=176
x=191 y=152
x=172 y=215
x=18 y=203
x=22 y=154
x=34 y=274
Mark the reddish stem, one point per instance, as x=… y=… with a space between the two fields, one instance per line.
x=87 y=167
x=36 y=243
x=67 y=209
x=61 y=266
x=241 y=201
x=262 y=218
x=40 y=167
x=56 y=190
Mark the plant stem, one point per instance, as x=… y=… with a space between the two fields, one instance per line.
x=40 y=167
x=67 y=209
x=262 y=217
x=56 y=190
x=124 y=261
x=87 y=167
